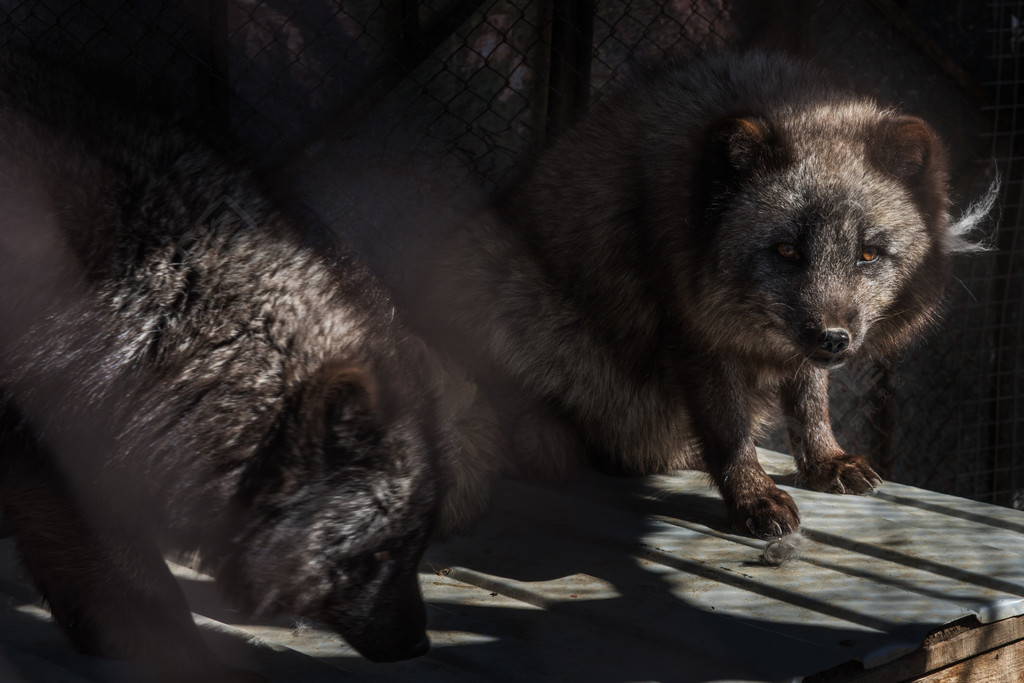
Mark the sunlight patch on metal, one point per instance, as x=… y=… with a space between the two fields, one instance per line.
x=642 y=579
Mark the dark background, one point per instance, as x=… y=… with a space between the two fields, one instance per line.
x=382 y=121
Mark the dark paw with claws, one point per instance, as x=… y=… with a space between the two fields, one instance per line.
x=839 y=473
x=771 y=514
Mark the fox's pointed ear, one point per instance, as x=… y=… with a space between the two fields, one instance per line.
x=347 y=399
x=352 y=388
x=906 y=148
x=736 y=148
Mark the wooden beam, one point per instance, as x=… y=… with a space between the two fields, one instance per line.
x=945 y=649
x=1002 y=665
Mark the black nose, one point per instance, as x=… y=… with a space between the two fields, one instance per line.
x=834 y=340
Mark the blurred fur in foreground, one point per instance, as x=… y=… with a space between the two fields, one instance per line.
x=178 y=372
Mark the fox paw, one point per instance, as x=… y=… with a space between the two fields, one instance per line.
x=841 y=473
x=770 y=515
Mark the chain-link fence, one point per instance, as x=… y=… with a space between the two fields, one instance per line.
x=385 y=118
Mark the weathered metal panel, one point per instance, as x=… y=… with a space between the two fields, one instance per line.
x=611 y=579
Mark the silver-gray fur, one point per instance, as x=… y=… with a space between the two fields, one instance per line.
x=689 y=261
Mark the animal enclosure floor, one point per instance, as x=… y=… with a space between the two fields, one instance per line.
x=612 y=580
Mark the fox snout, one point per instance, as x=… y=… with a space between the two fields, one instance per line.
x=834 y=341
x=831 y=345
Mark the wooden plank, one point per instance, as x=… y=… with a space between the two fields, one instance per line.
x=1002 y=665
x=951 y=649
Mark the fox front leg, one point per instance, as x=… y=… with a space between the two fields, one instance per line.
x=822 y=464
x=722 y=418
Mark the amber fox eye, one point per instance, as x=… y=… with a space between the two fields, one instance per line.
x=787 y=250
x=868 y=254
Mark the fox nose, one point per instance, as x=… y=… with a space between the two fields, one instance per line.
x=834 y=340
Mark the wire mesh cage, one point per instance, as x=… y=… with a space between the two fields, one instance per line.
x=359 y=102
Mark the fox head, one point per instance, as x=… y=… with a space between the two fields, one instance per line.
x=827 y=232
x=332 y=520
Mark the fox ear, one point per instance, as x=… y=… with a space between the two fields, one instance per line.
x=350 y=386
x=904 y=147
x=739 y=147
x=348 y=399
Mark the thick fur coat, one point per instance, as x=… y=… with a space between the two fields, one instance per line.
x=179 y=372
x=689 y=262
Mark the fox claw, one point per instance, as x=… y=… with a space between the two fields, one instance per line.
x=773 y=516
x=842 y=473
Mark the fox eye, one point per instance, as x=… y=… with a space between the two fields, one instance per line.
x=787 y=250
x=868 y=254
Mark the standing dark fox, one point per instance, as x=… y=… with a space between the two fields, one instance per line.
x=178 y=372
x=693 y=256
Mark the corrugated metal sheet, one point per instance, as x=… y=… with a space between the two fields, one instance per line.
x=612 y=579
